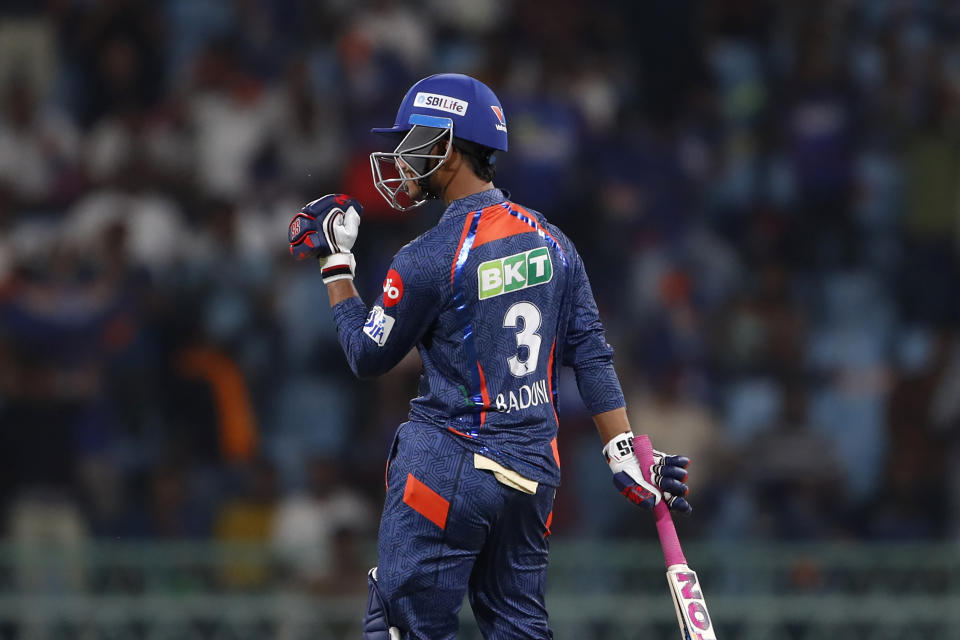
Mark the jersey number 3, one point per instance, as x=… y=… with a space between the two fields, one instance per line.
x=529 y=317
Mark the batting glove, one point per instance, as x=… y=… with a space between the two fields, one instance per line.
x=667 y=473
x=326 y=229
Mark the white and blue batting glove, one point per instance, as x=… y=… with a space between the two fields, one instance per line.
x=326 y=229
x=667 y=473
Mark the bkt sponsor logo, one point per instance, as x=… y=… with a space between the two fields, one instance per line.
x=513 y=273
x=441 y=103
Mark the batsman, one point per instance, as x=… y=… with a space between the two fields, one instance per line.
x=495 y=299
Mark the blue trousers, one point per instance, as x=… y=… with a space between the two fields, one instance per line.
x=449 y=529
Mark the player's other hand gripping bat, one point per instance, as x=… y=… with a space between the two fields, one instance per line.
x=692 y=615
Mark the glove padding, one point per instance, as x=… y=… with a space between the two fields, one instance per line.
x=326 y=229
x=667 y=474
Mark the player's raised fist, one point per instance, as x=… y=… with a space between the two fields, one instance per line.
x=324 y=227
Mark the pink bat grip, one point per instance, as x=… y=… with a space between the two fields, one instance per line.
x=672 y=553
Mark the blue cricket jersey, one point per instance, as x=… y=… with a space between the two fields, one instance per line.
x=494 y=298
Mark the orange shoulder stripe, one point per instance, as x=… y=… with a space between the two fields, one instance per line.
x=496 y=223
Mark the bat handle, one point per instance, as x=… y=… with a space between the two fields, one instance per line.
x=672 y=553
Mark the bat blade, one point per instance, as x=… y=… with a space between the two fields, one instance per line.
x=689 y=603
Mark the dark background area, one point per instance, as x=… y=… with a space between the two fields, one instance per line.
x=765 y=195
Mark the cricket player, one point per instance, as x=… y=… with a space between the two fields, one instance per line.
x=495 y=299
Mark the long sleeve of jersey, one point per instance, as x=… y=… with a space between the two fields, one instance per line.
x=585 y=348
x=375 y=341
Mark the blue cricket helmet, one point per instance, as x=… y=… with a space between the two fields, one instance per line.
x=473 y=108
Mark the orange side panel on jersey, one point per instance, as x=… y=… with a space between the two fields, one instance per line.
x=496 y=223
x=456 y=254
x=425 y=501
x=553 y=443
x=550 y=382
x=483 y=394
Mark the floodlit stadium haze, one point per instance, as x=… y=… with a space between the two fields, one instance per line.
x=766 y=195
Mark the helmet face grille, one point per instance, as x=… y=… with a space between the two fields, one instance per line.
x=409 y=162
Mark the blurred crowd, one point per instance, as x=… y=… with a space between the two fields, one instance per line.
x=765 y=194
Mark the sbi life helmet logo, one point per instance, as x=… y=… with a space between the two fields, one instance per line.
x=513 y=273
x=441 y=103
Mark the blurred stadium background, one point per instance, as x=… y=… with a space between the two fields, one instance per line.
x=765 y=193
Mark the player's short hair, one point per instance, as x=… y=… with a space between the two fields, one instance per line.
x=481 y=158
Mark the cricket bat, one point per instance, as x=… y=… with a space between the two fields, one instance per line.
x=688 y=601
